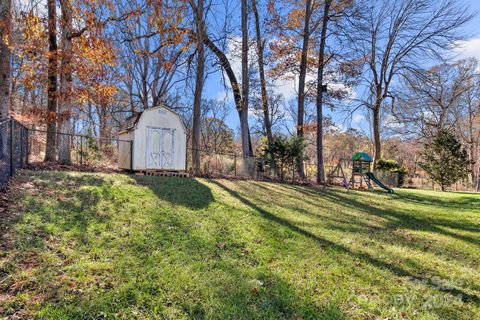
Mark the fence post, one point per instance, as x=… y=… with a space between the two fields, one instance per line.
x=12 y=160
x=131 y=155
x=305 y=169
x=235 y=164
x=186 y=160
x=21 y=147
x=293 y=172
x=27 y=145
x=81 y=150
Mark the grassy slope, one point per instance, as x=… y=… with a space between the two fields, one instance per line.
x=117 y=246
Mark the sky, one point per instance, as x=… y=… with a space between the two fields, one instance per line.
x=214 y=86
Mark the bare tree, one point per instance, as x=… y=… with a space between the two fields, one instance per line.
x=216 y=136
x=320 y=90
x=236 y=90
x=469 y=114
x=246 y=145
x=261 y=70
x=302 y=77
x=151 y=51
x=433 y=99
x=50 y=152
x=200 y=28
x=66 y=80
x=276 y=113
x=5 y=55
x=396 y=35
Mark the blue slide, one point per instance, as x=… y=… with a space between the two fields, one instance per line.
x=379 y=183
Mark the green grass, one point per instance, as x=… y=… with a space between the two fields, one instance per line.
x=89 y=246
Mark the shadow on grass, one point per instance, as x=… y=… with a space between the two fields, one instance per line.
x=405 y=219
x=228 y=287
x=402 y=219
x=153 y=255
x=188 y=192
x=395 y=269
x=71 y=203
x=467 y=201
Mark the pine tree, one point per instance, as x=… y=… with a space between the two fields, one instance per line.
x=444 y=159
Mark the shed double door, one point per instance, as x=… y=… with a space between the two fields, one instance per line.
x=160 y=148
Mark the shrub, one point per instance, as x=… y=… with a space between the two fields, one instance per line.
x=283 y=150
x=391 y=165
x=444 y=159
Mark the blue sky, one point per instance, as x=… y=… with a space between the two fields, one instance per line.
x=214 y=86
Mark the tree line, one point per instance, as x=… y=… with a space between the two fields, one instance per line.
x=84 y=66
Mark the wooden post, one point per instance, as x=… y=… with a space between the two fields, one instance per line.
x=293 y=172
x=131 y=155
x=28 y=145
x=305 y=169
x=81 y=150
x=235 y=164
x=21 y=147
x=12 y=163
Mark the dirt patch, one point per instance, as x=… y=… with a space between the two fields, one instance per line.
x=14 y=188
x=55 y=166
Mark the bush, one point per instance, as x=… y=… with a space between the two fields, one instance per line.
x=391 y=165
x=444 y=159
x=283 y=150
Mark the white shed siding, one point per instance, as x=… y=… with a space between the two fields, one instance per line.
x=161 y=118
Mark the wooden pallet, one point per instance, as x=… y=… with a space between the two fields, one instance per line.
x=166 y=174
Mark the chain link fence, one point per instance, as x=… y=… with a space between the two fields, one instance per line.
x=420 y=182
x=84 y=150
x=229 y=165
x=20 y=146
x=13 y=148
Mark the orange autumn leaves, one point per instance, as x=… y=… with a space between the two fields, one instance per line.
x=92 y=56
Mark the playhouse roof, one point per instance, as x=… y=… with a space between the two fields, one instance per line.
x=362 y=156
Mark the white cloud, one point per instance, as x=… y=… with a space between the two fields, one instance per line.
x=391 y=122
x=467 y=49
x=357 y=118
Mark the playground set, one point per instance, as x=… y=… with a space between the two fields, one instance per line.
x=360 y=163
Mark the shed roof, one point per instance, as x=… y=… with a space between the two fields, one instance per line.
x=131 y=122
x=363 y=156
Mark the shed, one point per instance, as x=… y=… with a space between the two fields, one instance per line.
x=158 y=141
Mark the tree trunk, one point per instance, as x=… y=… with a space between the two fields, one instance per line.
x=198 y=88
x=478 y=180
x=261 y=71
x=52 y=82
x=102 y=126
x=5 y=56
x=301 y=80
x=237 y=94
x=321 y=65
x=246 y=146
x=377 y=144
x=65 y=84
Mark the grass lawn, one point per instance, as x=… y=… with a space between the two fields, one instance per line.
x=90 y=246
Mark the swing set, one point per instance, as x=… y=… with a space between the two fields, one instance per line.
x=360 y=165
